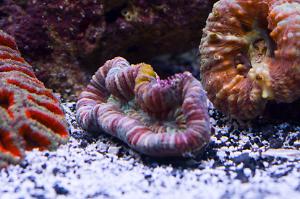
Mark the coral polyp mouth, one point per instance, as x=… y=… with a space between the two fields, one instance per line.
x=252 y=62
x=260 y=50
x=261 y=43
x=153 y=116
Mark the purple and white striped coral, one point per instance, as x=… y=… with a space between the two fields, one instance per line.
x=155 y=117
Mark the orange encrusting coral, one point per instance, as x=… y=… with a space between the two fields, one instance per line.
x=153 y=116
x=30 y=115
x=250 y=54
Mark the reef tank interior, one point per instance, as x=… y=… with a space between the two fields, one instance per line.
x=150 y=99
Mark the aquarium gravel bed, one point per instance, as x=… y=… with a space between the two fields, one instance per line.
x=260 y=160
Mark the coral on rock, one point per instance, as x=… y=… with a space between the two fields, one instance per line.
x=30 y=115
x=56 y=34
x=153 y=116
x=250 y=55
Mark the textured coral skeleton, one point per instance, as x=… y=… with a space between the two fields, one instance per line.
x=153 y=116
x=30 y=115
x=250 y=55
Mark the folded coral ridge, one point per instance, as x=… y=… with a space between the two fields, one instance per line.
x=30 y=115
x=250 y=55
x=153 y=116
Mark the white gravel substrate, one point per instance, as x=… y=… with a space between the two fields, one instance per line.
x=237 y=164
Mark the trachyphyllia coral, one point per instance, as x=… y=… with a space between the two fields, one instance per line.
x=250 y=53
x=153 y=116
x=30 y=115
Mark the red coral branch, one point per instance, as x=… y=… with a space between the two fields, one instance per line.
x=30 y=115
x=250 y=54
x=153 y=116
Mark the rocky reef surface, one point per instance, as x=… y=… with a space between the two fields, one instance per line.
x=65 y=40
x=258 y=161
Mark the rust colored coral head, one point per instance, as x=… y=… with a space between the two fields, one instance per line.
x=250 y=54
x=30 y=115
x=153 y=116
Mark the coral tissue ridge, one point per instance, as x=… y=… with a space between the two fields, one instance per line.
x=153 y=116
x=30 y=115
x=250 y=55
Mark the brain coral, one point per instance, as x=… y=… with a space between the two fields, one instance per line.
x=153 y=116
x=250 y=54
x=30 y=115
